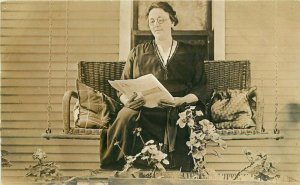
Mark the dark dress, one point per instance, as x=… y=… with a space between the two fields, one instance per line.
x=183 y=74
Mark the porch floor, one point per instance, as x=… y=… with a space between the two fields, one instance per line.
x=171 y=177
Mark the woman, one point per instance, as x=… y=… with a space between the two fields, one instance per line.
x=180 y=69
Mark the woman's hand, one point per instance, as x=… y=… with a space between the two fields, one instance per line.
x=189 y=98
x=175 y=103
x=133 y=103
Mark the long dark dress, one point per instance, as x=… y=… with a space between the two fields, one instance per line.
x=183 y=74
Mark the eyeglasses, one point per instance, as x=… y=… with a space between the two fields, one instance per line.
x=159 y=20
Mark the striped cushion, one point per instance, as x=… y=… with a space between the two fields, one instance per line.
x=230 y=109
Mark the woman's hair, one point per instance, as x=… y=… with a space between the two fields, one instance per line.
x=165 y=7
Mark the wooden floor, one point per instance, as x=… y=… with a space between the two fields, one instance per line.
x=105 y=177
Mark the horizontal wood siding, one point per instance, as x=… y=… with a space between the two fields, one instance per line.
x=267 y=34
x=80 y=30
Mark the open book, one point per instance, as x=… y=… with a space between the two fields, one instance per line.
x=147 y=86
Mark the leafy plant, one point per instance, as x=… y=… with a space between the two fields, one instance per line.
x=43 y=171
x=260 y=167
x=155 y=158
x=202 y=132
x=4 y=162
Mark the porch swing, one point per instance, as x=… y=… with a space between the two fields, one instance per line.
x=221 y=75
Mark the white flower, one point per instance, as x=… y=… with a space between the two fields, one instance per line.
x=185 y=120
x=165 y=161
x=149 y=142
x=181 y=122
x=192 y=107
x=199 y=113
x=185 y=117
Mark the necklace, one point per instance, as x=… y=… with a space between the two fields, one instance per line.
x=160 y=56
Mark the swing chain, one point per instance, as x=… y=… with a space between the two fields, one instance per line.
x=49 y=107
x=262 y=103
x=67 y=47
x=276 y=131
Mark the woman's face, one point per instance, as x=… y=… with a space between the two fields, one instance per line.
x=160 y=23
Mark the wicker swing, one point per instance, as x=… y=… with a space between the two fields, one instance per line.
x=221 y=75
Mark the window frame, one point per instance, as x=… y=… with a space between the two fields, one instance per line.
x=203 y=38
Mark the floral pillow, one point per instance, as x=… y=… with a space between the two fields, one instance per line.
x=230 y=109
x=94 y=109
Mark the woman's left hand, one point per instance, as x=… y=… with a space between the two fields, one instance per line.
x=175 y=103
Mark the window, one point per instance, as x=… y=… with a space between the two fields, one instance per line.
x=195 y=25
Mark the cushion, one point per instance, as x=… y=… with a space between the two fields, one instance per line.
x=230 y=109
x=94 y=109
x=85 y=118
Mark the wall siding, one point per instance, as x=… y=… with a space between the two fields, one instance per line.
x=80 y=30
x=267 y=34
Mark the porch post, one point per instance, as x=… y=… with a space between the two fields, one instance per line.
x=125 y=28
x=218 y=23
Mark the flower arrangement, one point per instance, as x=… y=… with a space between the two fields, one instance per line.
x=202 y=132
x=151 y=153
x=260 y=167
x=44 y=171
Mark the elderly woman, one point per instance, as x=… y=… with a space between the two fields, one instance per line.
x=180 y=68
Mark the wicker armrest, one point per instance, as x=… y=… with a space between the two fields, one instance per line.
x=259 y=110
x=66 y=108
x=257 y=107
x=255 y=95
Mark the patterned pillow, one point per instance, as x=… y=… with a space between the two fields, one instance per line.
x=230 y=109
x=85 y=118
x=94 y=109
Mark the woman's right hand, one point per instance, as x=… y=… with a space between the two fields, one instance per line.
x=133 y=103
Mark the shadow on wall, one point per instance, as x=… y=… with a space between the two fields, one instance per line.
x=294 y=110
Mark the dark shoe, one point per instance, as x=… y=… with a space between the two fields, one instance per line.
x=171 y=159
x=165 y=149
x=181 y=162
